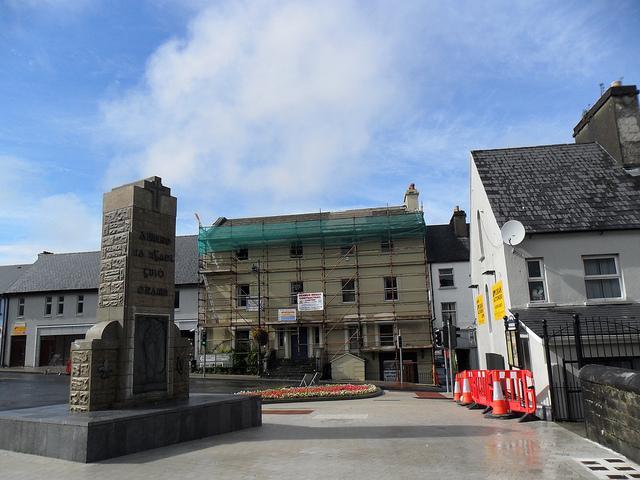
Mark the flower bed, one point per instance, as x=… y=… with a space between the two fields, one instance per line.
x=342 y=391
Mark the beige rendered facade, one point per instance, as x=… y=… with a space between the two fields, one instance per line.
x=368 y=264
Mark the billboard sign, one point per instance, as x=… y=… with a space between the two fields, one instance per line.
x=310 y=302
x=497 y=295
x=287 y=315
x=252 y=304
x=480 y=309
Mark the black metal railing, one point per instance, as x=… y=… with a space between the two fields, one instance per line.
x=572 y=344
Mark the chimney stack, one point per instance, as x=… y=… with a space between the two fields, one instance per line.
x=411 y=203
x=459 y=222
x=614 y=122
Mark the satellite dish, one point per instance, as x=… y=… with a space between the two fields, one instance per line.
x=512 y=232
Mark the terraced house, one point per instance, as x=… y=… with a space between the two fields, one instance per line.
x=53 y=302
x=329 y=288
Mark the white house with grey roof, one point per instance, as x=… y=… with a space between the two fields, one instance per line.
x=580 y=207
x=448 y=259
x=54 y=302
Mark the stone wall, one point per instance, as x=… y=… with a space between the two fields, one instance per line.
x=612 y=407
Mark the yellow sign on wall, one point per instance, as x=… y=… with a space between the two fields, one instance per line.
x=19 y=329
x=498 y=300
x=480 y=309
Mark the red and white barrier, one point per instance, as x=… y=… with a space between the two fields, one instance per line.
x=516 y=395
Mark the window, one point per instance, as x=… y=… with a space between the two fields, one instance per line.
x=487 y=308
x=176 y=300
x=80 y=305
x=48 y=301
x=347 y=248
x=448 y=312
x=353 y=333
x=348 y=290
x=479 y=224
x=446 y=277
x=386 y=335
x=242 y=293
x=21 y=307
x=316 y=336
x=281 y=338
x=296 y=288
x=390 y=288
x=602 y=277
x=386 y=246
x=535 y=272
x=295 y=250
x=243 y=344
x=60 y=305
x=242 y=254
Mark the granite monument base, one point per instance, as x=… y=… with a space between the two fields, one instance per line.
x=53 y=431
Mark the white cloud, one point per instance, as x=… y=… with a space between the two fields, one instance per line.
x=282 y=107
x=277 y=103
x=32 y=221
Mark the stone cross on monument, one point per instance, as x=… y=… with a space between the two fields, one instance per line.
x=135 y=353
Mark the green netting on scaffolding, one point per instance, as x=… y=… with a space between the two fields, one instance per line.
x=333 y=231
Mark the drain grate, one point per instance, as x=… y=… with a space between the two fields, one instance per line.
x=610 y=468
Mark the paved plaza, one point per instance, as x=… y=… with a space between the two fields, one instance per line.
x=393 y=436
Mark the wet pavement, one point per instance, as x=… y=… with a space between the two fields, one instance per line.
x=395 y=436
x=24 y=390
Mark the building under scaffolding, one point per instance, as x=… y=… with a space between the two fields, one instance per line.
x=368 y=264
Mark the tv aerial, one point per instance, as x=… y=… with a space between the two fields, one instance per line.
x=512 y=232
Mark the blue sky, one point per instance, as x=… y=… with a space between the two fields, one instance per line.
x=253 y=108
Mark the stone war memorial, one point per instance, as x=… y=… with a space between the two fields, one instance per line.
x=129 y=387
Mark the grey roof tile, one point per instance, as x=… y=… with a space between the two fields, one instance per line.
x=62 y=271
x=80 y=270
x=9 y=274
x=187 y=260
x=443 y=245
x=303 y=217
x=559 y=188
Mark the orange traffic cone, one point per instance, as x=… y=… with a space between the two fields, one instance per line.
x=499 y=406
x=466 y=399
x=456 y=390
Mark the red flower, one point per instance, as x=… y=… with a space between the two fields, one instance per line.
x=320 y=391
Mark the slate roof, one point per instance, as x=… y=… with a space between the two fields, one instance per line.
x=187 y=260
x=303 y=217
x=558 y=317
x=559 y=188
x=80 y=270
x=443 y=245
x=9 y=274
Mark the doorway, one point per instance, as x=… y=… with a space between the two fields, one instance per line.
x=18 y=347
x=299 y=344
x=55 y=350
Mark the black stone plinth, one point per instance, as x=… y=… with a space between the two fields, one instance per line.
x=53 y=431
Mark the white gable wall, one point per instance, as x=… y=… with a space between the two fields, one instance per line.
x=562 y=255
x=486 y=253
